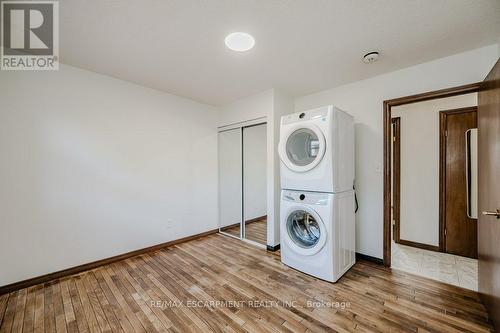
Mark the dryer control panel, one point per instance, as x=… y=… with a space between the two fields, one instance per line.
x=319 y=113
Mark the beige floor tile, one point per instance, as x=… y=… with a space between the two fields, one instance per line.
x=444 y=267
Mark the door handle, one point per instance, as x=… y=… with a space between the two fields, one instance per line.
x=492 y=213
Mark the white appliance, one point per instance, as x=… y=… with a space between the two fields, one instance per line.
x=317 y=232
x=316 y=149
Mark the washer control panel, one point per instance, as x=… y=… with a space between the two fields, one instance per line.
x=309 y=198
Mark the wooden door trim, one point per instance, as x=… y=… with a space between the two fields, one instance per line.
x=396 y=180
x=387 y=106
x=442 y=169
x=419 y=245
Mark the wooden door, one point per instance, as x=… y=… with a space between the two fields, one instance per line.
x=489 y=192
x=460 y=231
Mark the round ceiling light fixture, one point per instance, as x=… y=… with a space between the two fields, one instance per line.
x=239 y=41
x=370 y=57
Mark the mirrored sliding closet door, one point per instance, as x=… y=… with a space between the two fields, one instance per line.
x=243 y=182
x=230 y=182
x=255 y=183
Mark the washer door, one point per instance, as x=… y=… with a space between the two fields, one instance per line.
x=303 y=147
x=306 y=233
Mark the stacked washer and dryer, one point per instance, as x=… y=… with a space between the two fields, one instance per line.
x=316 y=149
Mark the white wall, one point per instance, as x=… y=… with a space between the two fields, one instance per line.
x=255 y=171
x=363 y=99
x=419 y=215
x=249 y=108
x=282 y=104
x=93 y=167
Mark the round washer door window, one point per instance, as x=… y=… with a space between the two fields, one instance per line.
x=303 y=149
x=305 y=231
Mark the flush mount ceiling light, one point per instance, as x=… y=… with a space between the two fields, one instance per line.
x=370 y=57
x=239 y=41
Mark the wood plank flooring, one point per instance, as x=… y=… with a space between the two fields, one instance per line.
x=233 y=230
x=189 y=287
x=255 y=231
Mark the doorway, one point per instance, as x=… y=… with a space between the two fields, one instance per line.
x=388 y=105
x=416 y=192
x=243 y=181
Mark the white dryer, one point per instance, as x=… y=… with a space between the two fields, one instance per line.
x=318 y=233
x=316 y=150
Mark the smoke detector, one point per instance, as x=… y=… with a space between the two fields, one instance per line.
x=370 y=57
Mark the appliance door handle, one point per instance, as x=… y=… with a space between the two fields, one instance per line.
x=492 y=213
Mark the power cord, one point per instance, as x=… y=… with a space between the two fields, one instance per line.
x=355 y=199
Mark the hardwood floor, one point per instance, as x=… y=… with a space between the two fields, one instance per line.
x=255 y=231
x=175 y=290
x=233 y=230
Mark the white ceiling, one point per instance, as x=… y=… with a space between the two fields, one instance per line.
x=301 y=46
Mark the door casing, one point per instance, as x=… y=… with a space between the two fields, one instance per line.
x=387 y=124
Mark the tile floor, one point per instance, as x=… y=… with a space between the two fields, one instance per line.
x=444 y=267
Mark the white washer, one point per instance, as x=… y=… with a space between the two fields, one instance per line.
x=316 y=150
x=317 y=232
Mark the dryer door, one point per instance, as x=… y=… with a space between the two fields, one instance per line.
x=305 y=231
x=303 y=147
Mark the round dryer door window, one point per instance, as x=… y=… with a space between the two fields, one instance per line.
x=304 y=148
x=305 y=231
